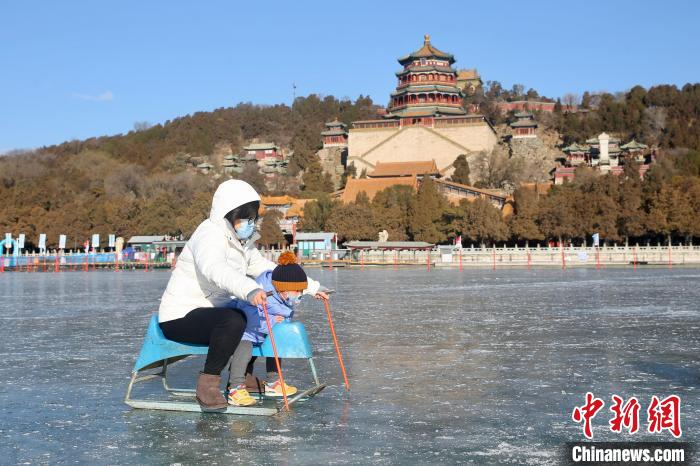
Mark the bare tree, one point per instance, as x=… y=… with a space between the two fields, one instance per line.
x=142 y=125
x=570 y=99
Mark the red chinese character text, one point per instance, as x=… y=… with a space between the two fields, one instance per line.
x=665 y=415
x=625 y=416
x=587 y=412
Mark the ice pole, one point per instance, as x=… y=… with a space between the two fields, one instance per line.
x=335 y=341
x=277 y=359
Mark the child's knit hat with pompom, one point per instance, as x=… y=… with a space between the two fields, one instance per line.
x=288 y=275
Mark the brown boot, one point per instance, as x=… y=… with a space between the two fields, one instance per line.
x=209 y=393
x=254 y=384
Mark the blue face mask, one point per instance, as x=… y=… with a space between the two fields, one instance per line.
x=246 y=230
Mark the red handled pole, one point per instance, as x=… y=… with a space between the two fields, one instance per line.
x=335 y=341
x=277 y=359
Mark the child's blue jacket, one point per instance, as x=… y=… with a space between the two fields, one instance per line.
x=256 y=328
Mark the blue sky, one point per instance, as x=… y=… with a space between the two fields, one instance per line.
x=78 y=69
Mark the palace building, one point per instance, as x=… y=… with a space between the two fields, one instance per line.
x=425 y=119
x=411 y=174
x=604 y=154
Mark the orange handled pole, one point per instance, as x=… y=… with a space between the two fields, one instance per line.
x=337 y=347
x=277 y=359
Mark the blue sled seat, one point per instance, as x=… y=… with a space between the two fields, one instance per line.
x=290 y=338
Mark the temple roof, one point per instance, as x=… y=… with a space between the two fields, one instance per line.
x=371 y=186
x=420 y=69
x=336 y=123
x=418 y=88
x=427 y=110
x=575 y=148
x=276 y=200
x=334 y=132
x=524 y=123
x=394 y=169
x=262 y=146
x=427 y=51
x=634 y=145
x=487 y=192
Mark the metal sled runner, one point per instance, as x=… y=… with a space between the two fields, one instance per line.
x=157 y=353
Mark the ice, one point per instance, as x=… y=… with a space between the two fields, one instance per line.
x=477 y=366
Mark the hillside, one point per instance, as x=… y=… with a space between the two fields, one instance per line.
x=143 y=182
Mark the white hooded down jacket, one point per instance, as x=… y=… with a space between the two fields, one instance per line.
x=215 y=266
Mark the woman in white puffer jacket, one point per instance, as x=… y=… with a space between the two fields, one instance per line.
x=215 y=266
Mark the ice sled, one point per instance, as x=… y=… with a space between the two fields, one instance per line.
x=157 y=353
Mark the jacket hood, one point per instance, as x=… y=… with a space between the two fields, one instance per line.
x=229 y=195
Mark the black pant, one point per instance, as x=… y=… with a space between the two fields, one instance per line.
x=219 y=327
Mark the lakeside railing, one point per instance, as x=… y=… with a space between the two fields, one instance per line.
x=494 y=257
x=57 y=261
x=441 y=256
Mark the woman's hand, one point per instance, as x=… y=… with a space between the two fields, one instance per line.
x=258 y=299
x=320 y=295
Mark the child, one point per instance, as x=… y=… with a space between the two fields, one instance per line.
x=284 y=286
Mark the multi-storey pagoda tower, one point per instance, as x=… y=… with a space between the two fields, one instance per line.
x=427 y=85
x=425 y=120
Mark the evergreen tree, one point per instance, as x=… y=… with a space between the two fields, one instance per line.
x=461 y=170
x=317 y=212
x=557 y=107
x=482 y=222
x=630 y=217
x=390 y=209
x=586 y=100
x=270 y=232
x=523 y=223
x=426 y=211
x=352 y=221
x=315 y=180
x=350 y=171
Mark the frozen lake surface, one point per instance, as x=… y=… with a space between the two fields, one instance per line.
x=477 y=367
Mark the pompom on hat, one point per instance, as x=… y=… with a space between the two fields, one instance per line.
x=288 y=275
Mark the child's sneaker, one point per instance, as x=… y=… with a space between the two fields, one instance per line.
x=239 y=396
x=275 y=389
